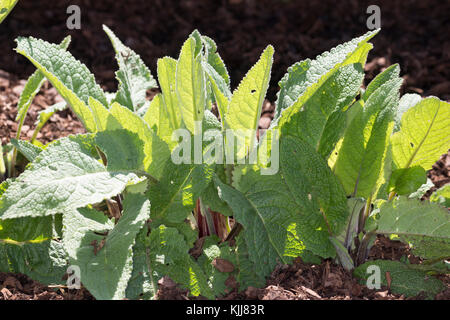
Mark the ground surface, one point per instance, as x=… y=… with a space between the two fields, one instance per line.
x=413 y=35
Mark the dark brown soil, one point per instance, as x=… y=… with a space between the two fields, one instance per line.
x=413 y=35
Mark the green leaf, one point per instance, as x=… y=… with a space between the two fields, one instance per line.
x=29 y=150
x=364 y=151
x=319 y=118
x=64 y=176
x=32 y=87
x=221 y=92
x=266 y=232
x=425 y=226
x=27 y=230
x=167 y=79
x=190 y=85
x=422 y=190
x=245 y=106
x=213 y=250
x=45 y=262
x=442 y=196
x=404 y=280
x=407 y=180
x=175 y=195
x=390 y=73
x=424 y=134
x=70 y=77
x=343 y=255
x=156 y=151
x=290 y=212
x=214 y=60
x=303 y=77
x=106 y=270
x=133 y=75
x=165 y=252
x=406 y=102
x=159 y=119
x=6 y=7
x=45 y=115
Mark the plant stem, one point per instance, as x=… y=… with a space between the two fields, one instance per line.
x=14 y=155
x=2 y=164
x=363 y=219
x=209 y=219
x=391 y=195
x=362 y=250
x=35 y=132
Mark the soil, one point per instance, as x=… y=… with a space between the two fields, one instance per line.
x=413 y=35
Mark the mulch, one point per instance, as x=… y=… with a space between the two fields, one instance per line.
x=413 y=35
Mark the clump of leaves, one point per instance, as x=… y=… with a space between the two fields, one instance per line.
x=114 y=203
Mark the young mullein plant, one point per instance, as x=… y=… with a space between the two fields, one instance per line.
x=124 y=203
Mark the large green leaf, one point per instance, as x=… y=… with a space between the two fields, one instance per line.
x=175 y=195
x=105 y=269
x=404 y=279
x=165 y=253
x=423 y=135
x=29 y=150
x=284 y=215
x=71 y=78
x=426 y=226
x=166 y=76
x=45 y=262
x=364 y=152
x=245 y=106
x=190 y=85
x=303 y=77
x=133 y=75
x=32 y=87
x=64 y=176
x=156 y=151
x=319 y=118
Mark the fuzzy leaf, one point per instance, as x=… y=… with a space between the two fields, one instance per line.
x=284 y=214
x=407 y=180
x=156 y=152
x=424 y=134
x=442 y=196
x=106 y=269
x=32 y=87
x=29 y=150
x=319 y=117
x=404 y=279
x=133 y=75
x=166 y=75
x=64 y=176
x=363 y=154
x=70 y=77
x=302 y=77
x=165 y=252
x=426 y=226
x=245 y=106
x=190 y=85
x=174 y=196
